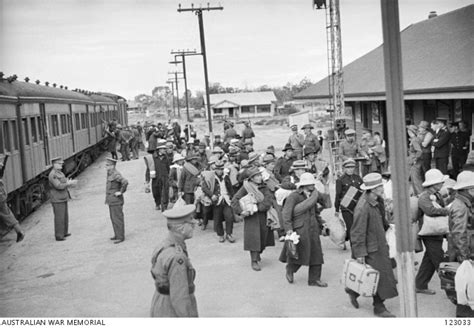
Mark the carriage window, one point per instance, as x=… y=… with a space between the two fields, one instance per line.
x=26 y=134
x=68 y=119
x=6 y=131
x=40 y=128
x=34 y=132
x=63 y=124
x=55 y=125
x=15 y=135
x=78 y=121
x=83 y=119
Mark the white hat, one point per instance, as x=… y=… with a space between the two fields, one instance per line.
x=234 y=141
x=434 y=176
x=371 y=181
x=306 y=179
x=465 y=180
x=177 y=157
x=190 y=141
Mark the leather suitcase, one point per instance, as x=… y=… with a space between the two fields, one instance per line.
x=361 y=278
x=447 y=272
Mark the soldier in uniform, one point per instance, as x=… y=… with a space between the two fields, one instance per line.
x=441 y=145
x=59 y=196
x=459 y=148
x=310 y=139
x=171 y=268
x=343 y=184
x=247 y=133
x=349 y=148
x=6 y=215
x=189 y=180
x=116 y=186
x=296 y=140
x=160 y=180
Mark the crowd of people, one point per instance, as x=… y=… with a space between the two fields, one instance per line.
x=193 y=184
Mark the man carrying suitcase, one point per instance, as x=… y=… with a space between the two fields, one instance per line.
x=369 y=244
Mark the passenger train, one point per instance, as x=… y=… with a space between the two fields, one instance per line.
x=41 y=122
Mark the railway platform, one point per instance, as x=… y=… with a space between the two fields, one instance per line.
x=89 y=276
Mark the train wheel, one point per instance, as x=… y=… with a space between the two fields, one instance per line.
x=35 y=196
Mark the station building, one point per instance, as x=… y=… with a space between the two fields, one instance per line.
x=438 y=75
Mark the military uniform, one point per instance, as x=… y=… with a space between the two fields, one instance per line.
x=59 y=196
x=115 y=182
x=311 y=140
x=297 y=142
x=342 y=186
x=459 y=150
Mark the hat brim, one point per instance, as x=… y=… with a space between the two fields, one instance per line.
x=365 y=187
x=463 y=186
x=302 y=184
x=429 y=183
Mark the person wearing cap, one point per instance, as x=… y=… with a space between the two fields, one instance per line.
x=177 y=131
x=415 y=154
x=221 y=200
x=270 y=151
x=296 y=140
x=160 y=178
x=170 y=149
x=189 y=179
x=112 y=137
x=203 y=157
x=296 y=170
x=459 y=148
x=232 y=166
x=268 y=176
x=219 y=153
x=369 y=245
x=426 y=136
x=257 y=235
x=308 y=224
x=59 y=196
x=175 y=174
x=461 y=231
x=247 y=132
x=115 y=188
x=348 y=181
x=134 y=141
x=171 y=268
x=309 y=155
x=229 y=134
x=6 y=215
x=349 y=148
x=430 y=203
x=190 y=147
x=125 y=136
x=366 y=145
x=441 y=144
x=283 y=164
x=310 y=139
x=218 y=141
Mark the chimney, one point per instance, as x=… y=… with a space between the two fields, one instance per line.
x=432 y=14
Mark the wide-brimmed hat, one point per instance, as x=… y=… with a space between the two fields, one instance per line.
x=412 y=128
x=161 y=145
x=288 y=147
x=233 y=150
x=424 y=124
x=250 y=172
x=434 y=176
x=202 y=145
x=217 y=150
x=177 y=157
x=307 y=126
x=268 y=159
x=244 y=164
x=309 y=150
x=190 y=157
x=306 y=179
x=465 y=180
x=234 y=140
x=371 y=181
x=349 y=132
x=270 y=150
x=218 y=165
x=190 y=141
x=248 y=142
x=253 y=156
x=350 y=162
x=298 y=165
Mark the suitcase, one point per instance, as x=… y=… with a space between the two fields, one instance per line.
x=447 y=272
x=361 y=278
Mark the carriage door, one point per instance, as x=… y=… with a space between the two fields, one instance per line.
x=44 y=132
x=71 y=129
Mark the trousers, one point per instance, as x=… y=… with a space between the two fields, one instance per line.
x=116 y=216
x=160 y=190
x=61 y=219
x=207 y=214
x=348 y=218
x=442 y=164
x=430 y=263
x=223 y=212
x=314 y=273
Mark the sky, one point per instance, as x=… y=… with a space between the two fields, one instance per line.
x=123 y=46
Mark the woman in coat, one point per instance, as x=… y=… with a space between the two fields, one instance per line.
x=257 y=235
x=369 y=244
x=307 y=223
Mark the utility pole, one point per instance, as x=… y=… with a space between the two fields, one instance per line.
x=395 y=110
x=172 y=94
x=183 y=55
x=177 y=90
x=198 y=12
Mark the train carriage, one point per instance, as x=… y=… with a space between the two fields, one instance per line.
x=38 y=123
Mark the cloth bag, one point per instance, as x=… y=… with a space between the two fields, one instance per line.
x=434 y=226
x=337 y=230
x=272 y=219
x=248 y=203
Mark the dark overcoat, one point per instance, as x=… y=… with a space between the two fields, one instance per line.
x=256 y=233
x=306 y=222
x=368 y=241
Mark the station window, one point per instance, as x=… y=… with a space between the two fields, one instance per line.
x=78 y=121
x=15 y=135
x=63 y=124
x=34 y=131
x=24 y=124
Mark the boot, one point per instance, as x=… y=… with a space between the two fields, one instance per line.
x=255 y=266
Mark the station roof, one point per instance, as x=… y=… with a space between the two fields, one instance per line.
x=243 y=98
x=436 y=58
